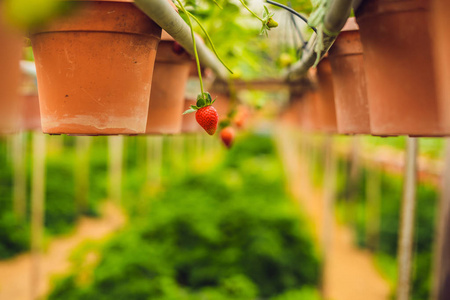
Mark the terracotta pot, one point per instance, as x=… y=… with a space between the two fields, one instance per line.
x=398 y=66
x=293 y=113
x=441 y=24
x=325 y=106
x=169 y=82
x=349 y=82
x=189 y=124
x=222 y=104
x=309 y=119
x=31 y=117
x=10 y=54
x=94 y=69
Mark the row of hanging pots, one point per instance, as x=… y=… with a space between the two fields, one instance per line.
x=383 y=77
x=169 y=82
x=107 y=69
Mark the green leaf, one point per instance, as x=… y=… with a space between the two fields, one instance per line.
x=201 y=102
x=194 y=107
x=208 y=97
x=190 y=110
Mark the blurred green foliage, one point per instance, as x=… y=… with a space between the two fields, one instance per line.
x=61 y=211
x=226 y=232
x=28 y=13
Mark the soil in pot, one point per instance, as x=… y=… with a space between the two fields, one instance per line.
x=349 y=82
x=399 y=67
x=95 y=68
x=169 y=83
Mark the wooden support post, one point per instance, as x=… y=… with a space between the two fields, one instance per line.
x=406 y=237
x=115 y=167
x=441 y=268
x=37 y=209
x=19 y=192
x=329 y=195
x=82 y=146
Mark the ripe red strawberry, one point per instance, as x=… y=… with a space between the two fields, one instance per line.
x=208 y=118
x=227 y=135
x=177 y=48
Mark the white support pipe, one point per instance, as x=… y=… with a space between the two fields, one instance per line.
x=406 y=237
x=165 y=16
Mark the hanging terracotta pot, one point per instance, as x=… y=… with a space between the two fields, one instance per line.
x=189 y=124
x=31 y=117
x=441 y=24
x=325 y=106
x=10 y=54
x=94 y=69
x=349 y=82
x=292 y=114
x=309 y=119
x=399 y=67
x=169 y=82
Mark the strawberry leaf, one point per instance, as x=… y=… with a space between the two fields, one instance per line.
x=190 y=110
x=194 y=107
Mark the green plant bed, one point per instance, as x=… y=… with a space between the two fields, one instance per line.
x=227 y=233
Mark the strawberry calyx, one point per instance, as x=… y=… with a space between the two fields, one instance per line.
x=203 y=100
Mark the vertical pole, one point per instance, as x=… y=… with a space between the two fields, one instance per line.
x=37 y=209
x=441 y=268
x=115 y=167
x=353 y=179
x=18 y=155
x=405 y=244
x=82 y=146
x=328 y=197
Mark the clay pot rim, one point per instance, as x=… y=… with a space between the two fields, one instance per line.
x=166 y=37
x=350 y=25
x=370 y=9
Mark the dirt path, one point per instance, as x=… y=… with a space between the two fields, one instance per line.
x=349 y=273
x=15 y=279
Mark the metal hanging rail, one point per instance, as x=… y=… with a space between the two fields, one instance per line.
x=165 y=16
x=337 y=14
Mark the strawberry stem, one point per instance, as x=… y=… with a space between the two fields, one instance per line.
x=210 y=41
x=243 y=3
x=194 y=44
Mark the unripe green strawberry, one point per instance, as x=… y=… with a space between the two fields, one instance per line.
x=271 y=23
x=207 y=117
